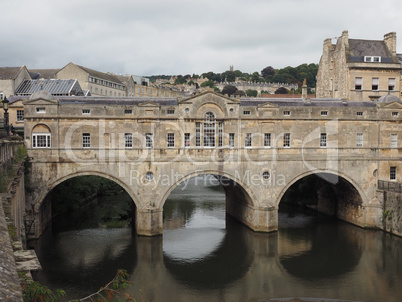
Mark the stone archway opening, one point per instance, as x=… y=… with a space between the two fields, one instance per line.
x=86 y=201
x=328 y=194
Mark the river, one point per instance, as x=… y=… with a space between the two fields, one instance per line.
x=204 y=255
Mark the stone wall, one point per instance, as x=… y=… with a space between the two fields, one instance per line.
x=10 y=288
x=392 y=214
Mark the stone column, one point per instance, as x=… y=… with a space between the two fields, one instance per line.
x=149 y=222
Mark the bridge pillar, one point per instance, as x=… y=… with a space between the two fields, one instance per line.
x=149 y=222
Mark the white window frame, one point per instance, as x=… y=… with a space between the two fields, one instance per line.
x=149 y=140
x=20 y=115
x=392 y=173
x=86 y=140
x=86 y=111
x=187 y=140
x=198 y=134
x=286 y=140
x=231 y=140
x=323 y=140
x=170 y=140
x=375 y=84
x=372 y=59
x=391 y=84
x=248 y=140
x=359 y=140
x=40 y=110
x=324 y=113
x=358 y=83
x=39 y=138
x=170 y=111
x=394 y=114
x=246 y=112
x=267 y=140
x=359 y=113
x=128 y=140
x=394 y=140
x=286 y=113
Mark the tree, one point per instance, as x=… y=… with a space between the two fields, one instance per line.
x=240 y=93
x=255 y=77
x=208 y=84
x=229 y=90
x=228 y=76
x=281 y=90
x=252 y=93
x=268 y=71
x=180 y=80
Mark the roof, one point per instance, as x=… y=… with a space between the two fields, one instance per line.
x=9 y=73
x=315 y=102
x=360 y=48
x=53 y=86
x=389 y=98
x=118 y=101
x=285 y=96
x=101 y=75
x=43 y=73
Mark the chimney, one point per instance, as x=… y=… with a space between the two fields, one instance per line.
x=304 y=89
x=390 y=41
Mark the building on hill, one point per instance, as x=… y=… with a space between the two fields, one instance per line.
x=11 y=78
x=98 y=83
x=359 y=70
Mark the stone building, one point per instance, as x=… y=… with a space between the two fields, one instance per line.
x=359 y=70
x=150 y=145
x=11 y=78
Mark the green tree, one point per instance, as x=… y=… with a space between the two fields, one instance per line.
x=229 y=90
x=268 y=71
x=228 y=76
x=180 y=80
x=251 y=93
x=281 y=90
x=255 y=77
x=208 y=84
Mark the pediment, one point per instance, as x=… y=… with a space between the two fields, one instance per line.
x=393 y=105
x=210 y=97
x=267 y=105
x=148 y=104
x=40 y=101
x=16 y=103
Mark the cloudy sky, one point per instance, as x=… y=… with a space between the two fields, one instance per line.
x=152 y=37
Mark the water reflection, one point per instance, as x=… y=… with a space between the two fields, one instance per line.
x=206 y=256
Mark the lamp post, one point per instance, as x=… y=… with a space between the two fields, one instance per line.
x=5 y=107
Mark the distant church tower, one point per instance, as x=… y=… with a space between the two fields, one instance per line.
x=231 y=67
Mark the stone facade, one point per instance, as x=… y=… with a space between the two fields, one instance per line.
x=359 y=70
x=10 y=78
x=257 y=148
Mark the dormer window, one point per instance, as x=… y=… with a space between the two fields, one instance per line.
x=372 y=59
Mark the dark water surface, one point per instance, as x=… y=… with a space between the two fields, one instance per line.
x=205 y=256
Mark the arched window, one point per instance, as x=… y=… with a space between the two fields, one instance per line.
x=209 y=129
x=41 y=137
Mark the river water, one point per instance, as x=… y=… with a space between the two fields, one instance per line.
x=204 y=255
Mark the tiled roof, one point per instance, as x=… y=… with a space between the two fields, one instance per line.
x=43 y=73
x=7 y=73
x=101 y=75
x=368 y=48
x=118 y=101
x=315 y=102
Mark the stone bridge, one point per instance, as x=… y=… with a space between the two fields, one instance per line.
x=256 y=148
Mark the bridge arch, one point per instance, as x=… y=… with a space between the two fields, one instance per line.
x=58 y=181
x=344 y=187
x=228 y=179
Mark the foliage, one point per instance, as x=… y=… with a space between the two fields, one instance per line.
x=208 y=84
x=229 y=90
x=268 y=71
x=240 y=93
x=281 y=90
x=113 y=291
x=251 y=93
x=20 y=154
x=180 y=80
x=3 y=182
x=228 y=76
x=34 y=292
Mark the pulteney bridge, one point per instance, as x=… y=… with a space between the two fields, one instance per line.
x=257 y=149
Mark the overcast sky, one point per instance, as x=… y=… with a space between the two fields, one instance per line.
x=150 y=37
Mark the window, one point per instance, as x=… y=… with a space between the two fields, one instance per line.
x=374 y=84
x=359 y=140
x=358 y=83
x=359 y=113
x=324 y=113
x=209 y=130
x=40 y=110
x=286 y=140
x=41 y=140
x=86 y=111
x=86 y=140
x=392 y=173
x=198 y=134
x=170 y=111
x=247 y=142
x=1 y=96
x=231 y=140
x=394 y=140
x=391 y=84
x=186 y=139
x=149 y=140
x=20 y=115
x=323 y=140
x=266 y=175
x=286 y=113
x=220 y=134
x=372 y=59
x=128 y=111
x=128 y=140
x=246 y=112
x=394 y=114
x=170 y=140
x=267 y=139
